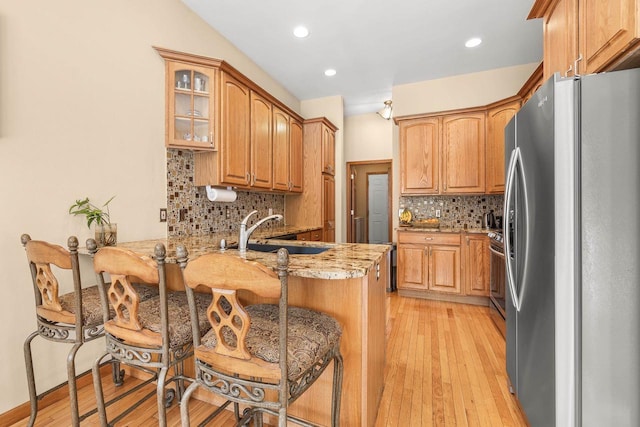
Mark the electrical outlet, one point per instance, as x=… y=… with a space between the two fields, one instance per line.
x=270 y=211
x=163 y=214
x=437 y=213
x=227 y=212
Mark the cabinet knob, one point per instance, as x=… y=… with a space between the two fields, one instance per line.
x=428 y=238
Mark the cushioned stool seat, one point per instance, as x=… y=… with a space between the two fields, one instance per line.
x=179 y=318
x=311 y=335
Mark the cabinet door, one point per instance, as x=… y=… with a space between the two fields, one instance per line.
x=280 y=150
x=190 y=107
x=413 y=267
x=328 y=150
x=497 y=119
x=463 y=147
x=476 y=257
x=419 y=156
x=328 y=207
x=261 y=140
x=607 y=29
x=444 y=269
x=296 y=157
x=560 y=28
x=235 y=142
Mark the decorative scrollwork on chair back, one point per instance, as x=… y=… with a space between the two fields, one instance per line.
x=125 y=301
x=230 y=323
x=48 y=286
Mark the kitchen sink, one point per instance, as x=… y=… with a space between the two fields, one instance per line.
x=293 y=249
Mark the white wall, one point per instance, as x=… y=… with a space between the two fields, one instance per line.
x=367 y=135
x=82 y=114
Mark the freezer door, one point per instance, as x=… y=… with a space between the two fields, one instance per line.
x=509 y=147
x=529 y=250
x=610 y=238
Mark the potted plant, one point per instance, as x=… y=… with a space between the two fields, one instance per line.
x=106 y=232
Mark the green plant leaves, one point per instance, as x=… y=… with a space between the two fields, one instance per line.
x=91 y=212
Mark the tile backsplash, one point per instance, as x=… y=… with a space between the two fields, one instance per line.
x=201 y=216
x=456 y=211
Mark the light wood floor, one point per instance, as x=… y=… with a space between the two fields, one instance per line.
x=445 y=367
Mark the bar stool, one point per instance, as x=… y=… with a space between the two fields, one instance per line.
x=74 y=317
x=152 y=335
x=253 y=353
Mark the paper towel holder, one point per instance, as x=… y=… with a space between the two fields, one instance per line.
x=220 y=194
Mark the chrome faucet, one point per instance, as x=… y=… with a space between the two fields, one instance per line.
x=245 y=232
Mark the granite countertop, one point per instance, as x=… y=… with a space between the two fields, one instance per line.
x=340 y=261
x=445 y=230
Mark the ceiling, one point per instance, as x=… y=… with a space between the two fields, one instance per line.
x=373 y=44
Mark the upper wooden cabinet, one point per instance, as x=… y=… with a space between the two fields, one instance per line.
x=235 y=137
x=281 y=153
x=191 y=106
x=328 y=150
x=588 y=36
x=296 y=156
x=232 y=125
x=262 y=142
x=419 y=155
x=498 y=116
x=463 y=153
x=443 y=153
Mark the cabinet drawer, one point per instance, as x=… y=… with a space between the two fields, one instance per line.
x=316 y=235
x=429 y=238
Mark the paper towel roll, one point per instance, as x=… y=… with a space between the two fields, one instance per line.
x=221 y=195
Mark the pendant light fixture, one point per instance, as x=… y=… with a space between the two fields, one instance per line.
x=386 y=111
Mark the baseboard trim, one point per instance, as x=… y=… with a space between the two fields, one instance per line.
x=439 y=296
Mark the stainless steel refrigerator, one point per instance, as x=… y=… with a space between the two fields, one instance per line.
x=572 y=251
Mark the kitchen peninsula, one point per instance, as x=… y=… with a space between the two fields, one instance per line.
x=348 y=281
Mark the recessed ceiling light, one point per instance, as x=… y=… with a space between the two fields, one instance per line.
x=330 y=72
x=301 y=31
x=473 y=42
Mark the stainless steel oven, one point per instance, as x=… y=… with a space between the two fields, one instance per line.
x=497 y=281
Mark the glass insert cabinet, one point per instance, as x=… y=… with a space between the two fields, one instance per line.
x=191 y=107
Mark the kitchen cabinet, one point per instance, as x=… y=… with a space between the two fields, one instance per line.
x=287 y=152
x=231 y=124
x=281 y=168
x=498 y=115
x=329 y=208
x=463 y=149
x=191 y=106
x=429 y=262
x=296 y=156
x=588 y=36
x=532 y=84
x=476 y=259
x=262 y=142
x=310 y=236
x=328 y=150
x=443 y=153
x=419 y=155
x=315 y=205
x=235 y=128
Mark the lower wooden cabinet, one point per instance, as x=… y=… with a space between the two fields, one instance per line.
x=476 y=257
x=436 y=264
x=429 y=262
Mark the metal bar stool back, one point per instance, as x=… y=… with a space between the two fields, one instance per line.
x=262 y=356
x=74 y=317
x=152 y=335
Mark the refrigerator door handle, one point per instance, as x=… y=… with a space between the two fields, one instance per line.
x=507 y=241
x=516 y=166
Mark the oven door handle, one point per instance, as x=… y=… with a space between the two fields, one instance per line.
x=493 y=251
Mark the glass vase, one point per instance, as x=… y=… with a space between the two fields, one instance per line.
x=106 y=234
